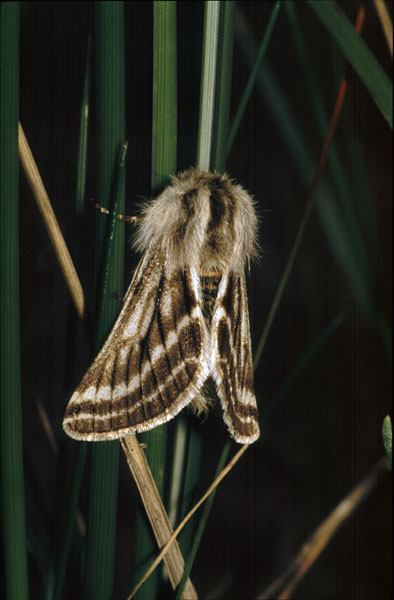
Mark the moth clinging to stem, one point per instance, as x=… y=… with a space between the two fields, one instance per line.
x=184 y=319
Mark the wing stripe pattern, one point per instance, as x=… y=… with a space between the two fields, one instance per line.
x=232 y=358
x=155 y=353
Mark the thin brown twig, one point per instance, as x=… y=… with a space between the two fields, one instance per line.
x=177 y=531
x=309 y=205
x=283 y=586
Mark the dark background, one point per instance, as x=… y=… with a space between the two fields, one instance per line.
x=325 y=434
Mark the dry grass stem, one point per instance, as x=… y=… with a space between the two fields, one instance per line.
x=284 y=585
x=48 y=215
x=385 y=21
x=157 y=515
x=177 y=531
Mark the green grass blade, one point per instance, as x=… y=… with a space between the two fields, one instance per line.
x=104 y=474
x=208 y=85
x=80 y=199
x=213 y=16
x=191 y=478
x=387 y=434
x=358 y=54
x=339 y=177
x=55 y=584
x=302 y=363
x=110 y=80
x=11 y=448
x=211 y=154
x=215 y=85
x=202 y=522
x=223 y=86
x=164 y=118
x=164 y=148
x=69 y=526
x=253 y=76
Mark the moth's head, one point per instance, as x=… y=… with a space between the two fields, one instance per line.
x=202 y=220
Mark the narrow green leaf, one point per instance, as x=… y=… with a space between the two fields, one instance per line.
x=302 y=363
x=253 y=76
x=202 y=522
x=215 y=85
x=191 y=477
x=83 y=138
x=110 y=84
x=102 y=506
x=11 y=446
x=339 y=177
x=223 y=86
x=164 y=148
x=164 y=117
x=69 y=527
x=358 y=54
x=215 y=97
x=208 y=84
x=387 y=434
x=55 y=584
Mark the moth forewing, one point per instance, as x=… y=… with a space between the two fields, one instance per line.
x=167 y=341
x=232 y=359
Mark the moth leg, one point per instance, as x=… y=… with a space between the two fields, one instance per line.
x=105 y=211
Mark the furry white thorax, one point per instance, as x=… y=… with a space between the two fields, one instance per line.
x=202 y=221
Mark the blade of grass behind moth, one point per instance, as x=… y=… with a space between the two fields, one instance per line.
x=98 y=506
x=253 y=75
x=67 y=520
x=215 y=85
x=387 y=435
x=302 y=363
x=202 y=522
x=212 y=151
x=110 y=81
x=358 y=54
x=189 y=470
x=80 y=200
x=189 y=484
x=223 y=85
x=12 y=473
x=164 y=147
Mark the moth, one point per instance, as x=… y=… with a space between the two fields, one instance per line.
x=184 y=319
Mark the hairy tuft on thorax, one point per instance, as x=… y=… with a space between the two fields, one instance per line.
x=203 y=221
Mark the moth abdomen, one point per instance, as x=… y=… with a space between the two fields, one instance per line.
x=209 y=289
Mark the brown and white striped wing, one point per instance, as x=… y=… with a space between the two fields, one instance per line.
x=232 y=358
x=153 y=362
